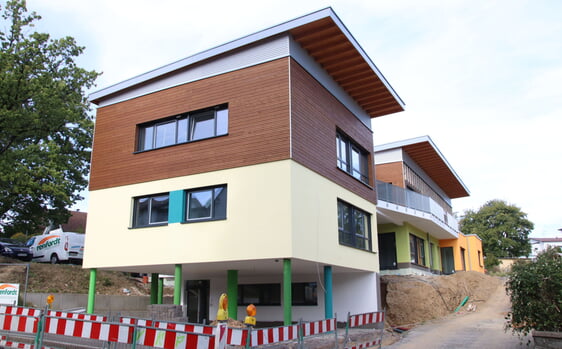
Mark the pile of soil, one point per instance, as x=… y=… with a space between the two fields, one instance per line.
x=413 y=299
x=68 y=278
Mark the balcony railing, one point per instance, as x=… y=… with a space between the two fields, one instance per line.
x=407 y=198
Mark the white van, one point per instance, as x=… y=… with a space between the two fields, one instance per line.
x=57 y=246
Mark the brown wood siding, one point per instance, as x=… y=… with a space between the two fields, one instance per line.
x=258 y=128
x=391 y=172
x=315 y=116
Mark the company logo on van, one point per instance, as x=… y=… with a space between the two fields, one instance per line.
x=8 y=290
x=49 y=241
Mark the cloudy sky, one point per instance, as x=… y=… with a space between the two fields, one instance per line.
x=481 y=78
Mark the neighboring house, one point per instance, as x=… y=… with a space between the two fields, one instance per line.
x=417 y=231
x=246 y=169
x=539 y=245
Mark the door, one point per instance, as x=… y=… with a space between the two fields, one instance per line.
x=387 y=251
x=447 y=260
x=197 y=300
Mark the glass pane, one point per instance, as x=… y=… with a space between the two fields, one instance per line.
x=202 y=125
x=182 y=130
x=360 y=223
x=342 y=154
x=141 y=212
x=146 y=137
x=356 y=163
x=220 y=203
x=166 y=134
x=199 y=204
x=413 y=250
x=222 y=122
x=159 y=209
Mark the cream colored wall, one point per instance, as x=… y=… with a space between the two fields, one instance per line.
x=257 y=214
x=315 y=222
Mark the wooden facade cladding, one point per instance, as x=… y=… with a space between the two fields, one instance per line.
x=316 y=115
x=258 y=128
x=392 y=172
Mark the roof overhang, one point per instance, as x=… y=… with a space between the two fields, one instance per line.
x=325 y=38
x=427 y=156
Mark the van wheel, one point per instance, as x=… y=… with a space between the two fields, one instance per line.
x=54 y=259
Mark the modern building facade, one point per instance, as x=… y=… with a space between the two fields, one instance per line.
x=417 y=230
x=246 y=169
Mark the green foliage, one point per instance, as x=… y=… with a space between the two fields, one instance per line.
x=21 y=237
x=491 y=261
x=504 y=229
x=45 y=126
x=535 y=289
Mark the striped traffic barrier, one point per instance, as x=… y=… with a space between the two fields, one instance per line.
x=319 y=327
x=89 y=329
x=361 y=320
x=274 y=335
x=19 y=319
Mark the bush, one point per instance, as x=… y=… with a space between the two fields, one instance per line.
x=535 y=289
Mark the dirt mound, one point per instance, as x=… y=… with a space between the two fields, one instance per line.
x=68 y=278
x=412 y=299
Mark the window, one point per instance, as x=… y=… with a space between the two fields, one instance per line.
x=354 y=226
x=431 y=247
x=480 y=258
x=304 y=293
x=259 y=294
x=184 y=128
x=206 y=204
x=352 y=159
x=150 y=210
x=417 y=250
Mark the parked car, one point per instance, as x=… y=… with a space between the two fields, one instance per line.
x=15 y=249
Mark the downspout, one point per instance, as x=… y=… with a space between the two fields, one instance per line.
x=468 y=252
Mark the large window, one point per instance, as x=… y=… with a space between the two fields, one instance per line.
x=303 y=293
x=206 y=204
x=354 y=226
x=183 y=128
x=352 y=159
x=150 y=210
x=259 y=294
x=417 y=250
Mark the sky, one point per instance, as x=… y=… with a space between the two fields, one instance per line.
x=482 y=78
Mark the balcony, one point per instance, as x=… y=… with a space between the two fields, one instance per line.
x=398 y=206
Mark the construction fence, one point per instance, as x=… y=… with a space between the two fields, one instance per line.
x=22 y=327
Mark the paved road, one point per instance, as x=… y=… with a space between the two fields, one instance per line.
x=483 y=329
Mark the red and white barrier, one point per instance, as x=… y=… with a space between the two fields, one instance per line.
x=318 y=327
x=236 y=336
x=365 y=319
x=365 y=345
x=193 y=328
x=78 y=316
x=273 y=335
x=19 y=319
x=89 y=329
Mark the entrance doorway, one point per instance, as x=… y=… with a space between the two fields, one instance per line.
x=197 y=300
x=387 y=251
x=447 y=260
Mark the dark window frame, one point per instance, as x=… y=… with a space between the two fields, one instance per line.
x=219 y=112
x=348 y=236
x=298 y=288
x=150 y=198
x=214 y=216
x=417 y=250
x=267 y=294
x=346 y=148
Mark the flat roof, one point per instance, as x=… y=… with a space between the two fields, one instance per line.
x=325 y=38
x=428 y=157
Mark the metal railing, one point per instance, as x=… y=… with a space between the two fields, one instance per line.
x=408 y=198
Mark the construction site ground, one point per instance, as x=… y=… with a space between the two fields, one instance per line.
x=413 y=303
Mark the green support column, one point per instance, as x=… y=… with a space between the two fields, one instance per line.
x=177 y=285
x=287 y=293
x=160 y=291
x=154 y=288
x=92 y=292
x=232 y=293
x=328 y=296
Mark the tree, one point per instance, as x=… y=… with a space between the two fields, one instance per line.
x=45 y=125
x=503 y=228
